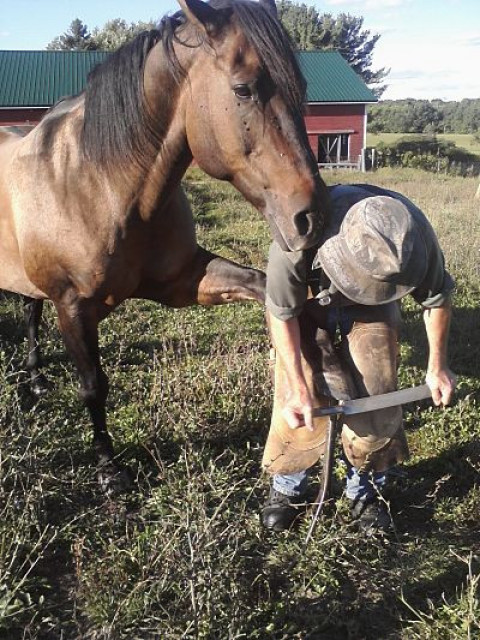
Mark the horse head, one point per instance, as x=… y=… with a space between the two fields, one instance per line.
x=243 y=112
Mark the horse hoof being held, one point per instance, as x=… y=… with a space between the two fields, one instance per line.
x=91 y=205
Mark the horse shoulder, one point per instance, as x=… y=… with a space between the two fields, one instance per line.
x=172 y=237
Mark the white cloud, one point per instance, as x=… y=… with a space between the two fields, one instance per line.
x=469 y=41
x=428 y=67
x=430 y=78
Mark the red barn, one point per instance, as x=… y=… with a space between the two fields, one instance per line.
x=336 y=110
x=335 y=114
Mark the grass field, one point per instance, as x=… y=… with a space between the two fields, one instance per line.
x=465 y=141
x=183 y=556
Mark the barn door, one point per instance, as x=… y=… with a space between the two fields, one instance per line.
x=333 y=148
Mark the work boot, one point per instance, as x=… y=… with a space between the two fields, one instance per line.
x=279 y=511
x=372 y=516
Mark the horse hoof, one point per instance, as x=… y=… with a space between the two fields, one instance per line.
x=40 y=386
x=114 y=480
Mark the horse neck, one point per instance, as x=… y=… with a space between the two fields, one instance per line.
x=163 y=92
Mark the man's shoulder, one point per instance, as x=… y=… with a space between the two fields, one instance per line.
x=278 y=256
x=344 y=196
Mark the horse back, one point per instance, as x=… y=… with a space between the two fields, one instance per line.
x=9 y=135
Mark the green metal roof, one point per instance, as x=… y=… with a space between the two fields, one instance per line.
x=40 y=78
x=331 y=79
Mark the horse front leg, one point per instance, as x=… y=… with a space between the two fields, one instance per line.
x=32 y=315
x=207 y=280
x=216 y=280
x=79 y=327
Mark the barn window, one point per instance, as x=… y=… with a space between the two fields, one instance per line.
x=333 y=147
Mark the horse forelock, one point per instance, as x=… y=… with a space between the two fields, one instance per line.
x=272 y=44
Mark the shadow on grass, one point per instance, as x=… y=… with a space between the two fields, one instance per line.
x=450 y=475
x=464 y=343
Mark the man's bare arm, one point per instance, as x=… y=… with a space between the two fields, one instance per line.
x=440 y=378
x=298 y=407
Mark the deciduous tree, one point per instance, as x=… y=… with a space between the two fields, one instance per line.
x=117 y=32
x=345 y=33
x=108 y=38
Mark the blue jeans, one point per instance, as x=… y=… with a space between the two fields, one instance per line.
x=360 y=486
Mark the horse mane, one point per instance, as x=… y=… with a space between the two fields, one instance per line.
x=118 y=129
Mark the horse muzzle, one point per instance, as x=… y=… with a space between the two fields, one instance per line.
x=305 y=230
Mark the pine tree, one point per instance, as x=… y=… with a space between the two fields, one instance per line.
x=76 y=38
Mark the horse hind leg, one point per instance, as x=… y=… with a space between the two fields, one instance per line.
x=79 y=327
x=32 y=314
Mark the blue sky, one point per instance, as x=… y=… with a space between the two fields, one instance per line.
x=431 y=46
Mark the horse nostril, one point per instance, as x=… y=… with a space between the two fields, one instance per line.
x=303 y=222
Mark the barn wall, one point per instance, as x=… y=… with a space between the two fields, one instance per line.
x=10 y=117
x=335 y=118
x=319 y=118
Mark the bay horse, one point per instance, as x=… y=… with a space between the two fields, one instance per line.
x=92 y=211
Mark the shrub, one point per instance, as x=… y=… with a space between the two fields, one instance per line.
x=428 y=153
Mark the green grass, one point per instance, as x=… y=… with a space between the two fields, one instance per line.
x=184 y=556
x=468 y=141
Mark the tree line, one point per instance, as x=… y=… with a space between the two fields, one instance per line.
x=112 y=35
x=427 y=152
x=307 y=29
x=425 y=116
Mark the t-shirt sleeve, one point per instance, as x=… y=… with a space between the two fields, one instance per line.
x=286 y=282
x=438 y=285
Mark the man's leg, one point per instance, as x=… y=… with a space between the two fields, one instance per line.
x=292 y=485
x=361 y=487
x=372 y=442
x=289 y=453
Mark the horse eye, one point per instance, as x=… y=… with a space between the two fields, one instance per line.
x=243 y=91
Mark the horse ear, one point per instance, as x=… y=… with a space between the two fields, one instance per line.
x=271 y=5
x=199 y=13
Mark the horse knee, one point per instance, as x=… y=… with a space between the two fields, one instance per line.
x=226 y=281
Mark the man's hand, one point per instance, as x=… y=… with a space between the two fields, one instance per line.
x=298 y=410
x=442 y=384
